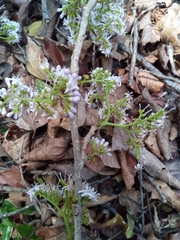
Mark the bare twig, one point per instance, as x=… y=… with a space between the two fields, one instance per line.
x=142 y=200
x=134 y=53
x=12 y=189
x=150 y=67
x=78 y=161
x=44 y=10
x=16 y=211
x=86 y=141
x=170 y=51
x=152 y=182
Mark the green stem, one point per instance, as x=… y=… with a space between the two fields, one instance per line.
x=65 y=218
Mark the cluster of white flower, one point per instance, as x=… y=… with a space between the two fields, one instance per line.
x=19 y=96
x=101 y=81
x=100 y=146
x=10 y=30
x=106 y=20
x=87 y=191
x=71 y=90
x=46 y=188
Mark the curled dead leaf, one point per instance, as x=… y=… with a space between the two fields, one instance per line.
x=149 y=81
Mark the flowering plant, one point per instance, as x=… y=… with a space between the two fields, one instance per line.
x=10 y=31
x=105 y=20
x=62 y=197
x=63 y=87
x=99 y=147
x=102 y=84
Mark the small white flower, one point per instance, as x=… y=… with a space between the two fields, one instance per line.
x=3 y=93
x=138 y=167
x=103 y=145
x=3 y=111
x=88 y=191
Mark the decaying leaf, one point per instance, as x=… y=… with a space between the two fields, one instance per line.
x=172 y=198
x=151 y=144
x=11 y=178
x=53 y=127
x=47 y=233
x=171 y=29
x=149 y=81
x=51 y=149
x=145 y=4
x=128 y=176
x=157 y=169
x=17 y=147
x=117 y=220
x=35 y=58
x=53 y=52
x=130 y=198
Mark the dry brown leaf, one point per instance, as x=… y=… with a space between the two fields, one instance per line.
x=96 y=165
x=171 y=29
x=117 y=220
x=31 y=120
x=172 y=199
x=53 y=52
x=173 y=132
x=51 y=149
x=130 y=199
x=163 y=57
x=46 y=233
x=53 y=127
x=151 y=144
x=18 y=196
x=11 y=178
x=145 y=4
x=102 y=200
x=110 y=161
x=127 y=175
x=163 y=139
x=92 y=117
x=69 y=170
x=17 y=147
x=149 y=81
x=35 y=58
x=157 y=169
x=119 y=138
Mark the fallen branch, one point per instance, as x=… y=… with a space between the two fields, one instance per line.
x=170 y=81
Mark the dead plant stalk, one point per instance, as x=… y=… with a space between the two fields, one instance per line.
x=78 y=161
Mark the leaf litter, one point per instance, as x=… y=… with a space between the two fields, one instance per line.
x=38 y=147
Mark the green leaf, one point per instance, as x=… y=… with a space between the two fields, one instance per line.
x=7 y=222
x=129 y=230
x=6 y=233
x=25 y=230
x=8 y=207
x=28 y=211
x=40 y=86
